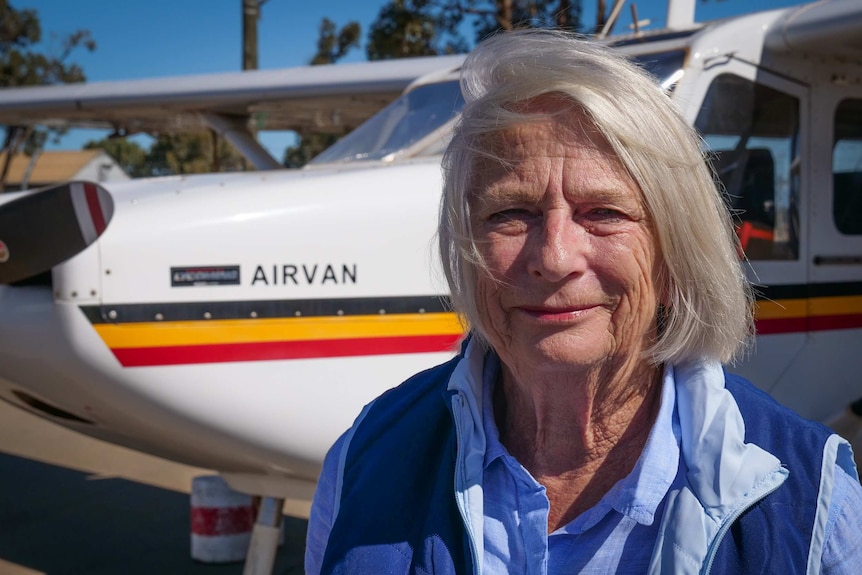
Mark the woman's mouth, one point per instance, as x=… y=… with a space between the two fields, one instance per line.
x=556 y=314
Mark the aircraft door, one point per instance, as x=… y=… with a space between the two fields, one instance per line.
x=835 y=262
x=754 y=127
x=836 y=215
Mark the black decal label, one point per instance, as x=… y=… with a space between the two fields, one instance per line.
x=205 y=276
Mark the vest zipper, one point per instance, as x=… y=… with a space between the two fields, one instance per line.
x=458 y=411
x=716 y=542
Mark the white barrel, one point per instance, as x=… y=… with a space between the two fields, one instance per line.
x=221 y=521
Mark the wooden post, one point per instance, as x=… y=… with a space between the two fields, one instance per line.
x=250 y=14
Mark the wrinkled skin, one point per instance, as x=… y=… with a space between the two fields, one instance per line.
x=570 y=252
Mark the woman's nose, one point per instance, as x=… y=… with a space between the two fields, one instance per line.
x=559 y=248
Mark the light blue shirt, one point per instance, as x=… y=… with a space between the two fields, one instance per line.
x=618 y=534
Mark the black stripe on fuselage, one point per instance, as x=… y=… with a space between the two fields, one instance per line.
x=805 y=291
x=190 y=311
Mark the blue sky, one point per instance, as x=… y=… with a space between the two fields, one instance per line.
x=155 y=38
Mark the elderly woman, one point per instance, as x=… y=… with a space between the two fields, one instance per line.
x=587 y=425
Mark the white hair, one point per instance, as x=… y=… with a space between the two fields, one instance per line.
x=706 y=299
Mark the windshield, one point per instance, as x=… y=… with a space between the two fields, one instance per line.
x=666 y=67
x=420 y=112
x=402 y=123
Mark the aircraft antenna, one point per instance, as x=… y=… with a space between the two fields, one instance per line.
x=680 y=14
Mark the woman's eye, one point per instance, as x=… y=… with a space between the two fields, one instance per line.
x=604 y=213
x=514 y=214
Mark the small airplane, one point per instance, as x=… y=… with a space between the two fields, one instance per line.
x=239 y=322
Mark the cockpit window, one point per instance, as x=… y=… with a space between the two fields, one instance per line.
x=665 y=66
x=847 y=168
x=402 y=123
x=425 y=109
x=752 y=132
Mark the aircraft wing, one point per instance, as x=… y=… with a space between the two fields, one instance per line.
x=832 y=28
x=319 y=98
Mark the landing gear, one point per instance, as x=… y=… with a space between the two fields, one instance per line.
x=264 y=537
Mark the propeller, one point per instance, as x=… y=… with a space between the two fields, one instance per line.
x=41 y=229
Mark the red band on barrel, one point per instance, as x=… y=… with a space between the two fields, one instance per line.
x=213 y=521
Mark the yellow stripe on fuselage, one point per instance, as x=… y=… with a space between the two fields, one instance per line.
x=205 y=332
x=790 y=308
x=767 y=309
x=839 y=305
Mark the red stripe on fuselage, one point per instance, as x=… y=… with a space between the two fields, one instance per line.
x=781 y=325
x=808 y=323
x=828 y=322
x=92 y=195
x=263 y=351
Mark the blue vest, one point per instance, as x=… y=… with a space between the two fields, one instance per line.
x=397 y=511
x=774 y=536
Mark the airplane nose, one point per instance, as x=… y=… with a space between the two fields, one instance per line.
x=41 y=229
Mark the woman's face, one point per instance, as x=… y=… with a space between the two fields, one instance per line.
x=569 y=248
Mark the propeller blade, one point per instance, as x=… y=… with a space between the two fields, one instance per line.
x=42 y=229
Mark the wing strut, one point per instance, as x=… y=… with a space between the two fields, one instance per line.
x=235 y=130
